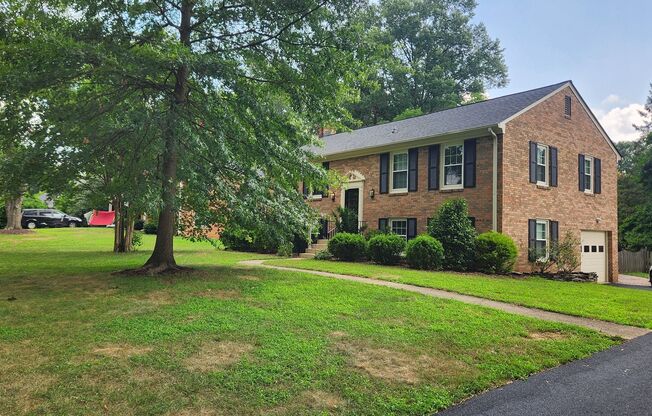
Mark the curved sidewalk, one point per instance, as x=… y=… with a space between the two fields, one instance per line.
x=608 y=328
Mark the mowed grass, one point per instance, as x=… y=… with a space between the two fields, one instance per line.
x=608 y=303
x=639 y=274
x=226 y=339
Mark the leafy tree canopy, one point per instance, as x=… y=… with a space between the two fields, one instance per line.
x=428 y=55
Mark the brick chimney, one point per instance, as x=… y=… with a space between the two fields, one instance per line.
x=326 y=131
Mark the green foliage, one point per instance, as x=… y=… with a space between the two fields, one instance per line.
x=567 y=256
x=348 y=246
x=635 y=187
x=386 y=248
x=495 y=253
x=408 y=113
x=323 y=255
x=137 y=240
x=150 y=228
x=371 y=233
x=453 y=229
x=428 y=55
x=285 y=250
x=346 y=220
x=34 y=201
x=424 y=252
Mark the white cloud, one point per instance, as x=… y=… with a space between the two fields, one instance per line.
x=611 y=99
x=619 y=120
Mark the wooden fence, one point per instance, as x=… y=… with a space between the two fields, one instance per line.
x=634 y=261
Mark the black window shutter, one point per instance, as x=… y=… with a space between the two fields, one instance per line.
x=532 y=239
x=533 y=162
x=411 y=228
x=433 y=167
x=382 y=224
x=413 y=169
x=384 y=173
x=597 y=167
x=304 y=188
x=553 y=166
x=472 y=219
x=469 y=163
x=580 y=171
x=554 y=231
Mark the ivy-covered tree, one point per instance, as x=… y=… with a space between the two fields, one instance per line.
x=234 y=90
x=428 y=56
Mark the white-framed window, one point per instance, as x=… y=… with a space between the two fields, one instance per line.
x=542 y=237
x=542 y=164
x=398 y=226
x=399 y=169
x=588 y=174
x=453 y=165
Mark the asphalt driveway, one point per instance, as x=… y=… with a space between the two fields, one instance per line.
x=617 y=381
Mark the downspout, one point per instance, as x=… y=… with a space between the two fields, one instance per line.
x=494 y=190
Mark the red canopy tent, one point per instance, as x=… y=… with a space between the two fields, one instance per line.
x=102 y=218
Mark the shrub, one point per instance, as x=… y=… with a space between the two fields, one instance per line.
x=386 y=248
x=139 y=224
x=347 y=246
x=323 y=255
x=371 y=233
x=453 y=228
x=495 y=253
x=150 y=228
x=566 y=254
x=424 y=252
x=346 y=220
x=285 y=250
x=136 y=240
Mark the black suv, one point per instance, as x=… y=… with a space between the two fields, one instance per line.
x=33 y=218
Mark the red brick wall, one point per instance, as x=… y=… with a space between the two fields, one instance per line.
x=574 y=210
x=421 y=204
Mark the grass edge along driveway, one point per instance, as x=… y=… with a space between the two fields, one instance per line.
x=603 y=302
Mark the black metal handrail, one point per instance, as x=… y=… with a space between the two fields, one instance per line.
x=362 y=226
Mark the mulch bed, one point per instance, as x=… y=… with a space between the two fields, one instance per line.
x=16 y=232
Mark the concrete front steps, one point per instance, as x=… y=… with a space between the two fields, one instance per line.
x=321 y=244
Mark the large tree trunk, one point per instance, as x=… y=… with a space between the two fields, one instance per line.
x=13 y=207
x=162 y=258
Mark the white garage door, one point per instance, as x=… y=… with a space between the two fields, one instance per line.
x=594 y=253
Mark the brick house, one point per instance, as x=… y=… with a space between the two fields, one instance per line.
x=532 y=165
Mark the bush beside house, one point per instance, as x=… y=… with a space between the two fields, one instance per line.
x=347 y=246
x=454 y=230
x=495 y=253
x=424 y=252
x=386 y=248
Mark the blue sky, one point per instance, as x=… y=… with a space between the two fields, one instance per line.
x=604 y=46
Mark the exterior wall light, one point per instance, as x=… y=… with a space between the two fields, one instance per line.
x=333 y=196
x=372 y=193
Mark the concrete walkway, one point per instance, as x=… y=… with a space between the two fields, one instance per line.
x=612 y=382
x=609 y=328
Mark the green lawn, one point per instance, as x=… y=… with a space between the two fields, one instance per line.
x=226 y=339
x=608 y=303
x=639 y=274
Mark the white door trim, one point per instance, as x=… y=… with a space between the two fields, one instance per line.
x=355 y=180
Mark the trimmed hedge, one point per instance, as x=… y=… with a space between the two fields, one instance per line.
x=150 y=228
x=386 y=248
x=424 y=252
x=347 y=246
x=495 y=253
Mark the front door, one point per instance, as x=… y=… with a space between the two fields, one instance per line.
x=351 y=201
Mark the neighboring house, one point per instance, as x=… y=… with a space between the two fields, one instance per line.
x=532 y=165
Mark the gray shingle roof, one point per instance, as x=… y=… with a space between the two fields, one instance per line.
x=466 y=117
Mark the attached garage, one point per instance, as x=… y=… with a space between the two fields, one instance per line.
x=595 y=254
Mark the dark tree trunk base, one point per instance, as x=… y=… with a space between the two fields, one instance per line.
x=154 y=270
